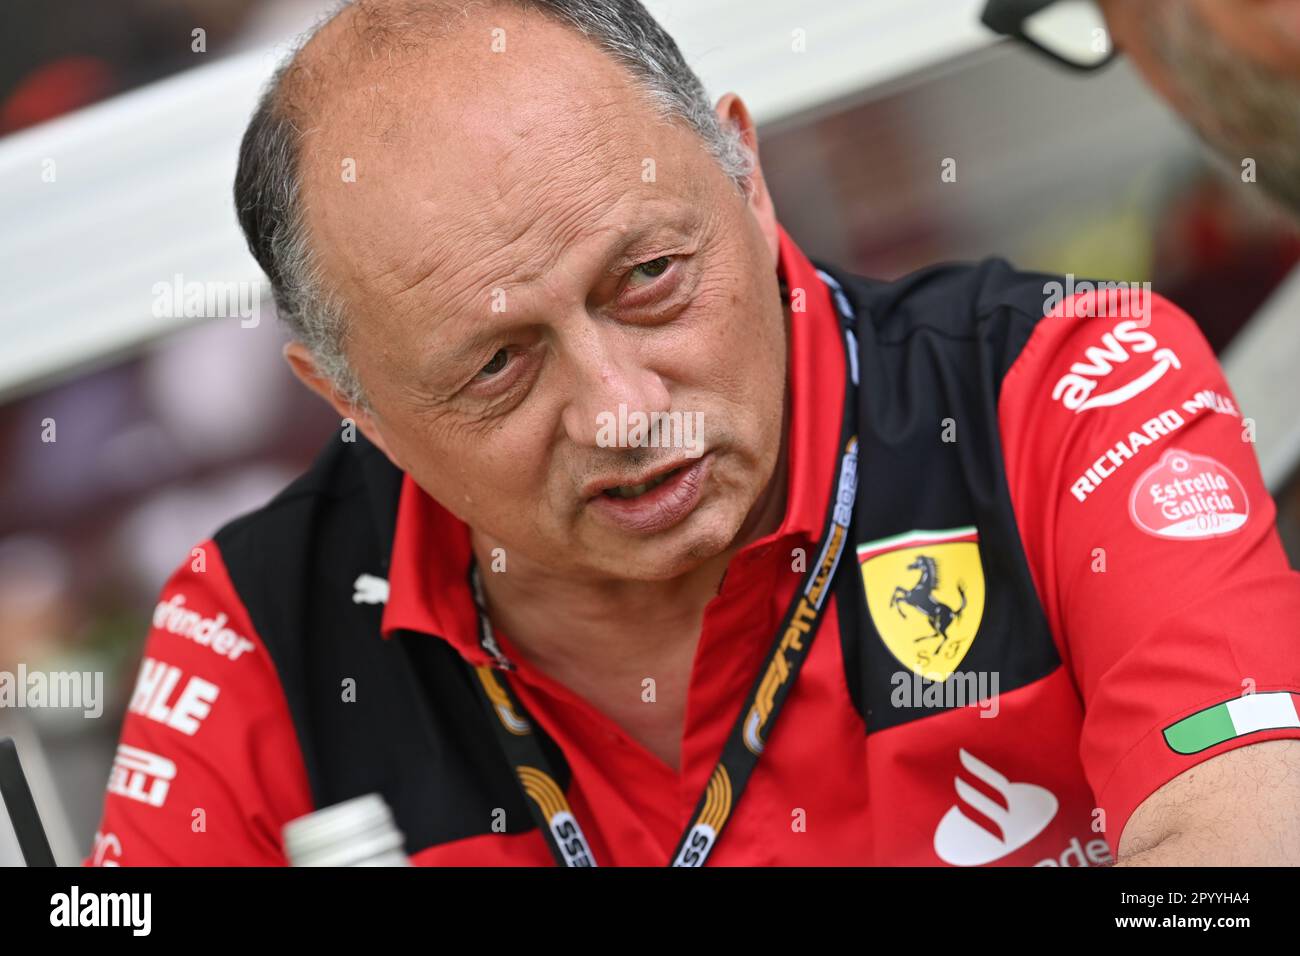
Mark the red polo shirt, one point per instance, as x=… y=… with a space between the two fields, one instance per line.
x=1095 y=536
x=632 y=806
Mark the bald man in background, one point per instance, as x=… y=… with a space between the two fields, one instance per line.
x=1231 y=68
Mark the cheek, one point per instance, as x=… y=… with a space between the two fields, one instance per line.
x=478 y=472
x=740 y=341
x=506 y=465
x=752 y=352
x=744 y=379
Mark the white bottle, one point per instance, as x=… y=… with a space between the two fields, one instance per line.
x=357 y=832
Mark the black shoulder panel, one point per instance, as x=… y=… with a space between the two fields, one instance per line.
x=933 y=349
x=416 y=731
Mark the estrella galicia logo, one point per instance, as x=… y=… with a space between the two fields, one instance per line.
x=925 y=593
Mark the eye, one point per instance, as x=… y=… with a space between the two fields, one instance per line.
x=497 y=363
x=653 y=269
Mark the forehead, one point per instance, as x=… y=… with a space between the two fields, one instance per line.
x=487 y=153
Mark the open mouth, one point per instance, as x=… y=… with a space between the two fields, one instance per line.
x=636 y=491
x=655 y=504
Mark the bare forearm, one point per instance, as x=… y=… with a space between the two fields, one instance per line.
x=1240 y=808
x=1219 y=849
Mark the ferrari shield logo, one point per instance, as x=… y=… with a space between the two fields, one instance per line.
x=925 y=592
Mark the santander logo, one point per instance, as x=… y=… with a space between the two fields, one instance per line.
x=1021 y=812
x=1075 y=390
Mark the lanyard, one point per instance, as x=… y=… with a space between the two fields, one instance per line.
x=744 y=746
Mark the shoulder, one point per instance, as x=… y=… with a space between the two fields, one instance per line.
x=291 y=565
x=951 y=299
x=1025 y=330
x=337 y=477
x=953 y=325
x=228 y=582
x=343 y=506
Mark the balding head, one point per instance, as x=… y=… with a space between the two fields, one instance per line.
x=350 y=66
x=503 y=222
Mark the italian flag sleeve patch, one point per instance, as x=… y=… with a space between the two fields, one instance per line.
x=1233 y=718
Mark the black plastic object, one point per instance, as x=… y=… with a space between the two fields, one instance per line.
x=17 y=797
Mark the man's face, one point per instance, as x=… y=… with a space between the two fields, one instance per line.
x=526 y=247
x=1232 y=68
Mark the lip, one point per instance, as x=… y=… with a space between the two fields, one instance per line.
x=659 y=508
x=593 y=489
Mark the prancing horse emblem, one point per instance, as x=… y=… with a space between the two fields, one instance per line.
x=921 y=596
x=930 y=626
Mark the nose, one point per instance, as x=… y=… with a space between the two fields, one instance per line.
x=610 y=377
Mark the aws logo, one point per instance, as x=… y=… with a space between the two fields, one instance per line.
x=1077 y=389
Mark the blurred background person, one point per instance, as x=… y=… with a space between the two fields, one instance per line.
x=1230 y=67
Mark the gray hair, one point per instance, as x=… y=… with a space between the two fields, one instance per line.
x=268 y=189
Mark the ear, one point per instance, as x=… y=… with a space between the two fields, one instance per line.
x=303 y=365
x=732 y=111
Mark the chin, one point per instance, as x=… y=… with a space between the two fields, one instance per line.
x=704 y=535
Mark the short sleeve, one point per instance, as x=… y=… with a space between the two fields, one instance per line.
x=1151 y=539
x=207 y=769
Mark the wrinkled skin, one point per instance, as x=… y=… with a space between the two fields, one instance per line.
x=503 y=262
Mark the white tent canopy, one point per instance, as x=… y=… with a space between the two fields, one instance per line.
x=101 y=205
